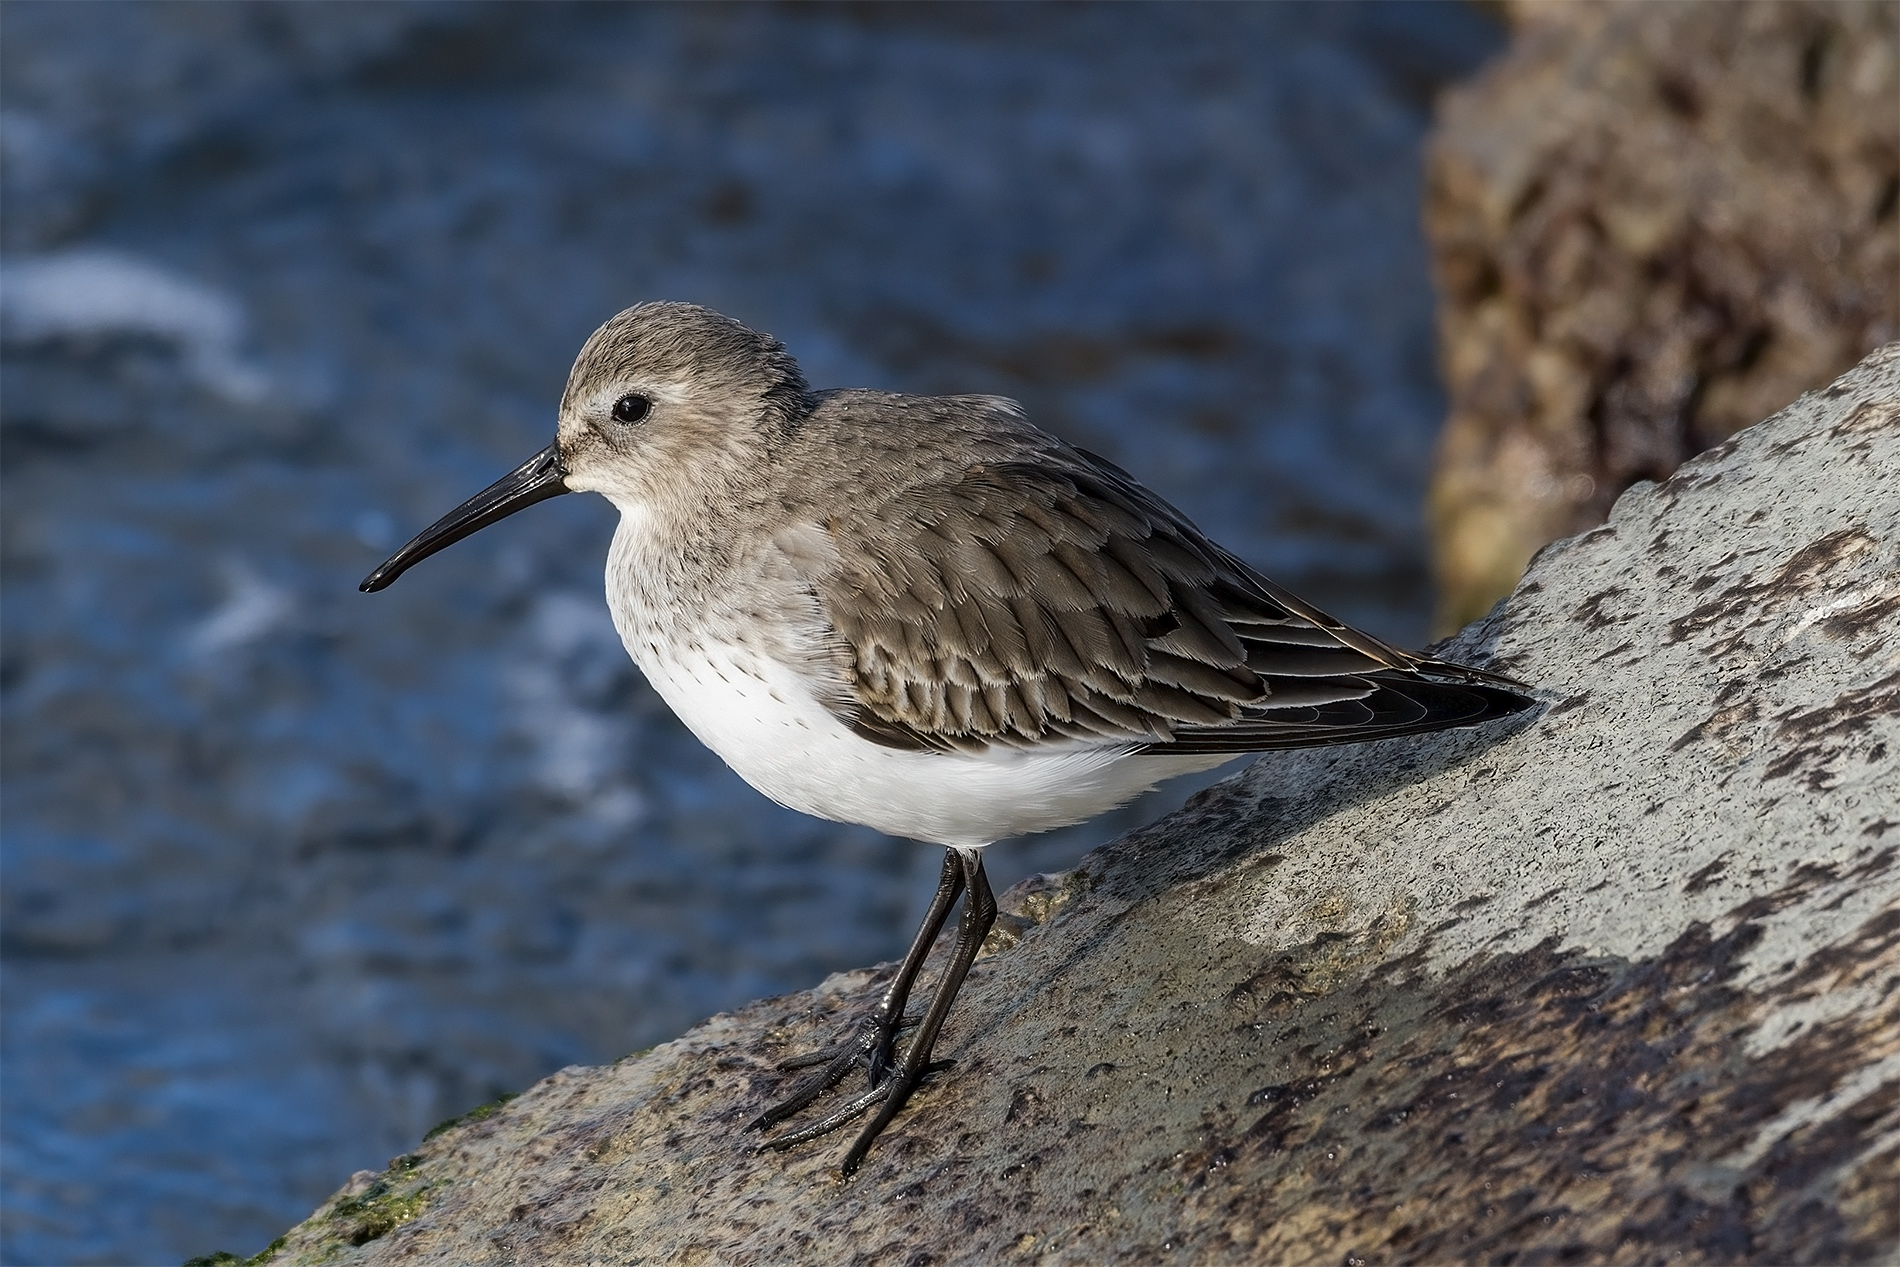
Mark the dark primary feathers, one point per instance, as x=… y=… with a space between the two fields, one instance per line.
x=1053 y=596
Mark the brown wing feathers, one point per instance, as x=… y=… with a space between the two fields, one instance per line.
x=1030 y=601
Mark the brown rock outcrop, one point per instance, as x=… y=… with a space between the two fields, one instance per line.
x=1618 y=984
x=1652 y=225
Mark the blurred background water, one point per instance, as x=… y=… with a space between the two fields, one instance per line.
x=290 y=874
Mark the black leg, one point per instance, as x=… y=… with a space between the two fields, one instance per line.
x=892 y=1084
x=873 y=1035
x=979 y=913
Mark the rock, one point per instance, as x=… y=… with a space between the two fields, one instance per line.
x=1615 y=983
x=1652 y=224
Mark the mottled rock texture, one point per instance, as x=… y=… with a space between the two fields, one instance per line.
x=1619 y=982
x=1652 y=225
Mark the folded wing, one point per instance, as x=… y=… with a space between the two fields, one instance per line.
x=1032 y=601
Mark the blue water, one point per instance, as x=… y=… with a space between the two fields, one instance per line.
x=290 y=874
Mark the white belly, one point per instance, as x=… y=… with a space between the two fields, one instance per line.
x=764 y=720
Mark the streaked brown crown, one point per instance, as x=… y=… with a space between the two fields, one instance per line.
x=685 y=343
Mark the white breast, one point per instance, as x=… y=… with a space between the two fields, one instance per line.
x=762 y=719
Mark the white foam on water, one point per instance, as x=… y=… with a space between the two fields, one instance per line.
x=252 y=608
x=92 y=292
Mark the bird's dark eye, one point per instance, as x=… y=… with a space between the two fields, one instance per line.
x=631 y=408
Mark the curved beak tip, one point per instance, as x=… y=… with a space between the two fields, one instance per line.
x=542 y=476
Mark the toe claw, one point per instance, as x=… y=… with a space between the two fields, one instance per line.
x=866 y=1045
x=829 y=1123
x=806 y=1061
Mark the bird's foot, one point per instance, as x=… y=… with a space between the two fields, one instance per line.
x=868 y=1044
x=871 y=1043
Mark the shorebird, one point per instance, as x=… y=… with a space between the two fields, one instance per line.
x=925 y=615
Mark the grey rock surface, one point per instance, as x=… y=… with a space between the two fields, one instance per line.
x=1617 y=983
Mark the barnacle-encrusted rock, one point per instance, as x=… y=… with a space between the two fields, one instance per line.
x=1619 y=982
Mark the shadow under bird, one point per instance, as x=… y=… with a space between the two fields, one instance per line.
x=925 y=615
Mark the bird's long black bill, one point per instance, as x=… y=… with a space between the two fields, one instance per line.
x=539 y=478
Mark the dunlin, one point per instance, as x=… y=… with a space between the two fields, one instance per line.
x=925 y=615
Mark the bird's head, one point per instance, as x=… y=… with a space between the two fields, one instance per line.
x=663 y=397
